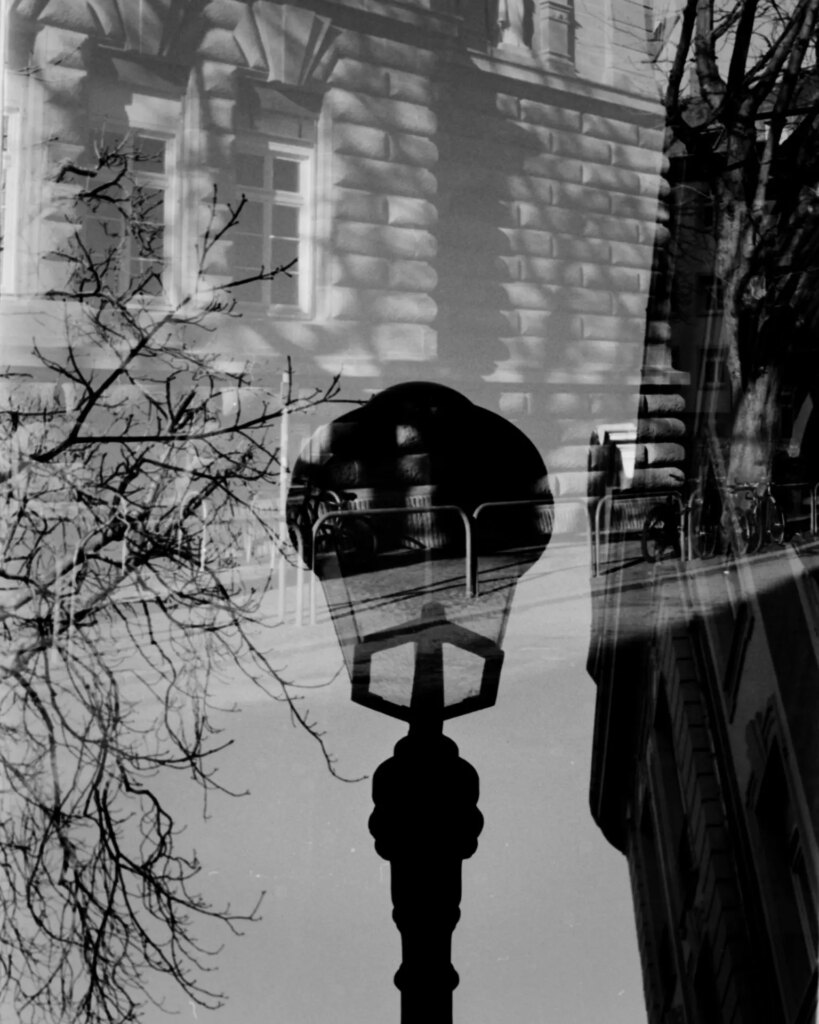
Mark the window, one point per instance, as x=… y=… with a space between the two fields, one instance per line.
x=274 y=226
x=124 y=238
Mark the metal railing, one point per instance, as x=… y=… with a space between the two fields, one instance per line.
x=647 y=500
x=469 y=523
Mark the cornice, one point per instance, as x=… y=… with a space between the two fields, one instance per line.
x=284 y=43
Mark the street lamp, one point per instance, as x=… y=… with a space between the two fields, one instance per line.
x=418 y=512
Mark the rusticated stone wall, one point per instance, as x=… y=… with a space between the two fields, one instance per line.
x=485 y=207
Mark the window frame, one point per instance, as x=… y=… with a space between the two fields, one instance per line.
x=167 y=182
x=272 y=148
x=9 y=190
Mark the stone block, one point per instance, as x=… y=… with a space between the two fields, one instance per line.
x=632 y=254
x=661 y=404
x=413 y=149
x=550 y=115
x=615 y=329
x=525 y=295
x=407 y=211
x=611 y=228
x=662 y=454
x=528 y=188
x=616 y=179
x=582 y=147
x=529 y=242
x=615 y=279
x=652 y=139
x=359 y=140
x=629 y=303
x=405 y=85
x=651 y=234
x=567 y=483
x=636 y=207
x=383 y=176
x=404 y=342
x=376 y=112
x=592 y=200
x=546 y=324
x=620 y=355
x=658 y=479
x=557 y=298
x=356 y=204
x=638 y=158
x=549 y=271
x=391 y=242
x=375 y=305
x=387 y=53
x=412 y=275
x=551 y=218
x=359 y=271
x=590 y=250
x=557 y=168
x=610 y=129
x=360 y=76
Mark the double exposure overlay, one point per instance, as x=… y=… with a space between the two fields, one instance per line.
x=409 y=500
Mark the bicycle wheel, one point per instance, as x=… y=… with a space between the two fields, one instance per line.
x=658 y=539
x=755 y=529
x=776 y=519
x=703 y=531
x=736 y=538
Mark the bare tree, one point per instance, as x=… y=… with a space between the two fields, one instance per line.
x=127 y=496
x=741 y=95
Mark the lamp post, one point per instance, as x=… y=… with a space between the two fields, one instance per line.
x=426 y=488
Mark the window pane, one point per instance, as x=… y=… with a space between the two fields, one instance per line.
x=99 y=234
x=250 y=169
x=248 y=251
x=286 y=221
x=251 y=219
x=285 y=289
x=251 y=292
x=286 y=175
x=148 y=205
x=282 y=251
x=149 y=154
x=102 y=241
x=145 y=276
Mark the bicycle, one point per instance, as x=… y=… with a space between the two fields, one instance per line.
x=703 y=527
x=351 y=538
x=737 y=528
x=766 y=520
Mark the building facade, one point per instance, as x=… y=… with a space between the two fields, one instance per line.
x=470 y=193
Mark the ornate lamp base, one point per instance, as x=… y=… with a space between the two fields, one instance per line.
x=425 y=823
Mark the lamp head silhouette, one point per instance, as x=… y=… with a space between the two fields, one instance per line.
x=418 y=512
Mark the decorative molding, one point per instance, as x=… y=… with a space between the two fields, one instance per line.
x=287 y=42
